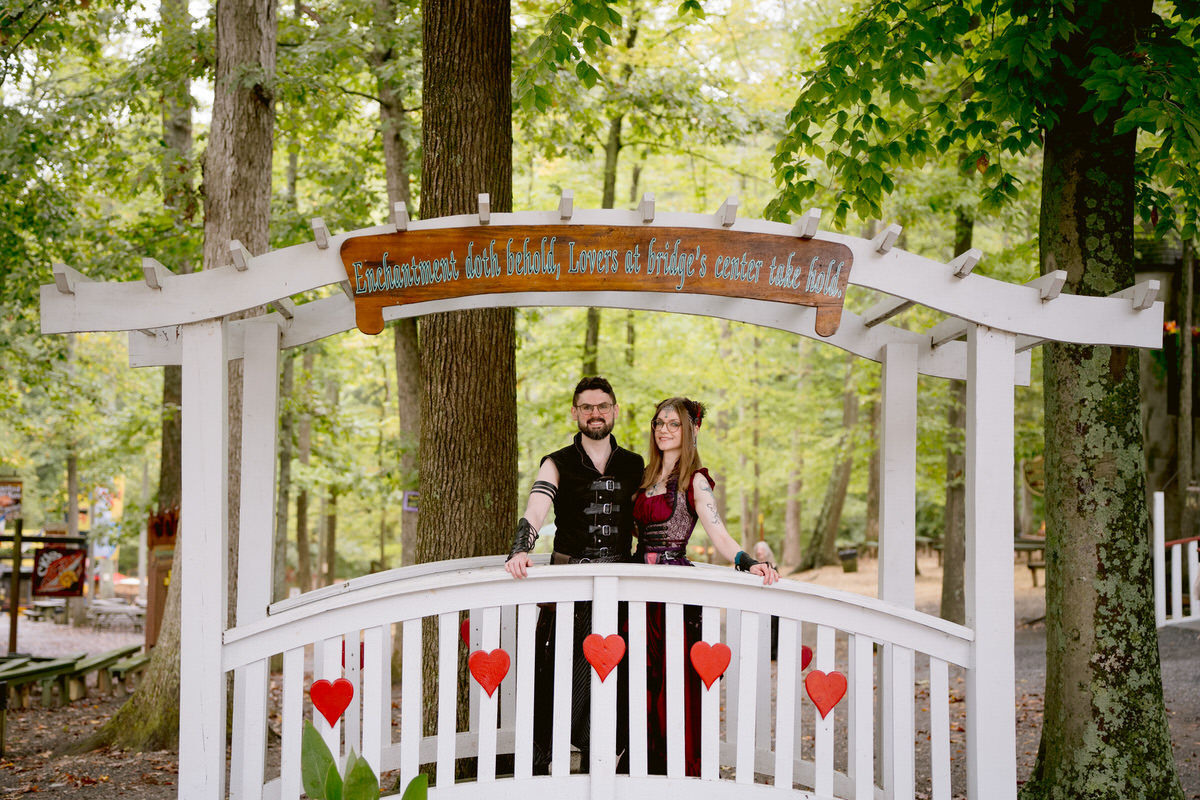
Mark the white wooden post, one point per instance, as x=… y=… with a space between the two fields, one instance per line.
x=1160 y=567
x=897 y=541
x=204 y=539
x=260 y=413
x=988 y=574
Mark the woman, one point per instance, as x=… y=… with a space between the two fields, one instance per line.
x=676 y=490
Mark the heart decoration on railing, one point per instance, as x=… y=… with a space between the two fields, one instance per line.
x=806 y=655
x=464 y=632
x=603 y=652
x=826 y=691
x=710 y=661
x=489 y=669
x=331 y=699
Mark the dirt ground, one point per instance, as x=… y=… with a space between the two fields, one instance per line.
x=32 y=764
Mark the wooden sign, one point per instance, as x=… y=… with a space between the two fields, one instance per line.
x=59 y=572
x=415 y=266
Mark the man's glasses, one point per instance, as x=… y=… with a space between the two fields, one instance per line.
x=588 y=408
x=669 y=424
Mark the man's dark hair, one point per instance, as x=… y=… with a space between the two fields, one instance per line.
x=595 y=382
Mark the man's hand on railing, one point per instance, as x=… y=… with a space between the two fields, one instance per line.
x=518 y=565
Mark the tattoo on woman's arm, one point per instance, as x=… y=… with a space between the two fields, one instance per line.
x=712 y=510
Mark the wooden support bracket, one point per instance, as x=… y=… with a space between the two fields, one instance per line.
x=947 y=331
x=400 y=216
x=963 y=263
x=65 y=278
x=241 y=256
x=809 y=223
x=285 y=307
x=1028 y=343
x=646 y=207
x=485 y=208
x=885 y=310
x=1050 y=285
x=727 y=213
x=1142 y=294
x=320 y=233
x=347 y=289
x=566 y=204
x=884 y=240
x=154 y=273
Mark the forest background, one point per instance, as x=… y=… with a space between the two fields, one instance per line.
x=687 y=106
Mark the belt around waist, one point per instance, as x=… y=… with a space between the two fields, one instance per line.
x=597 y=555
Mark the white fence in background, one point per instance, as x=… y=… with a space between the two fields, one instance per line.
x=1182 y=579
x=763 y=734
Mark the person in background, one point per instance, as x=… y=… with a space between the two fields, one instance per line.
x=675 y=492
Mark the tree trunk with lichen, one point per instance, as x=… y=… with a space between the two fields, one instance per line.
x=1105 y=731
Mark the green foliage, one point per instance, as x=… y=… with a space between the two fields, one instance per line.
x=321 y=780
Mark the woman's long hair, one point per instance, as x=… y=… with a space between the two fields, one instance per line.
x=690 y=414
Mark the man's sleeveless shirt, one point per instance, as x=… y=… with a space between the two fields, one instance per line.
x=593 y=510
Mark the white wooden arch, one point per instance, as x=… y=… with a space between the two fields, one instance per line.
x=991 y=326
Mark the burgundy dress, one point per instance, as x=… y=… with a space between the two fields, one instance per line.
x=664 y=525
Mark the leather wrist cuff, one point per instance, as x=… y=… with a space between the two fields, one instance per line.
x=523 y=539
x=743 y=562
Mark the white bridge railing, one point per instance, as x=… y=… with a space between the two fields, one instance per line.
x=760 y=729
x=1181 y=580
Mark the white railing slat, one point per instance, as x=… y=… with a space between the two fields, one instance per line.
x=292 y=715
x=447 y=723
x=798 y=725
x=747 y=667
x=860 y=740
x=733 y=676
x=1193 y=581
x=939 y=729
x=248 y=782
x=351 y=645
x=637 y=689
x=487 y=706
x=901 y=783
x=676 y=726
x=602 y=764
x=328 y=661
x=474 y=642
x=508 y=687
x=710 y=704
x=786 y=705
x=1160 y=564
x=1176 y=581
x=411 y=700
x=564 y=645
x=376 y=703
x=527 y=614
x=763 y=682
x=823 y=659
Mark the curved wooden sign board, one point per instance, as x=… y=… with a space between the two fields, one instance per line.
x=415 y=266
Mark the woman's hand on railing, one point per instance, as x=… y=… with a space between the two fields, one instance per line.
x=767 y=571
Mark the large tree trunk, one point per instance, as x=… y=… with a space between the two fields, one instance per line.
x=793 y=513
x=591 y=343
x=822 y=548
x=1104 y=733
x=468 y=358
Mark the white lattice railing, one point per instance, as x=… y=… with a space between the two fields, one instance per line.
x=1181 y=580
x=764 y=726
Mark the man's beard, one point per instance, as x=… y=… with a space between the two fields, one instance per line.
x=585 y=427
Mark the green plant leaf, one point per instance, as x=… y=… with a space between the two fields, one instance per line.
x=333 y=784
x=315 y=762
x=417 y=789
x=360 y=782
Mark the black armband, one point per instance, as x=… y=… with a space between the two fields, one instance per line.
x=743 y=562
x=544 y=487
x=523 y=539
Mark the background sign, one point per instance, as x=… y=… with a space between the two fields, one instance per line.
x=59 y=572
x=10 y=499
x=415 y=266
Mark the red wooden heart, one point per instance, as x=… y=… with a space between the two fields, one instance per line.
x=826 y=691
x=710 y=661
x=603 y=652
x=331 y=699
x=805 y=657
x=464 y=631
x=489 y=668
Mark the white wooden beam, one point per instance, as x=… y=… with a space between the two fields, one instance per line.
x=241 y=256
x=485 y=208
x=320 y=233
x=1050 y=285
x=887 y=237
x=897 y=475
x=285 y=307
x=727 y=213
x=884 y=310
x=963 y=263
x=1142 y=294
x=154 y=273
x=988 y=573
x=566 y=204
x=205 y=552
x=646 y=207
x=400 y=216
x=947 y=331
x=1025 y=343
x=809 y=223
x=67 y=278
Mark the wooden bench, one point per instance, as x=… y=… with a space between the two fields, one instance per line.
x=49 y=674
x=99 y=664
x=1034 y=566
x=122 y=672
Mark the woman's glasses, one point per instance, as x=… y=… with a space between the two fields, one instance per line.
x=669 y=424
x=588 y=408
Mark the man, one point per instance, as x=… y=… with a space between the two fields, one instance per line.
x=590 y=484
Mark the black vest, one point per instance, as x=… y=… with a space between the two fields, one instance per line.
x=593 y=511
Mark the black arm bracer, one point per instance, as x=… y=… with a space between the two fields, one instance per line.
x=523 y=539
x=743 y=562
